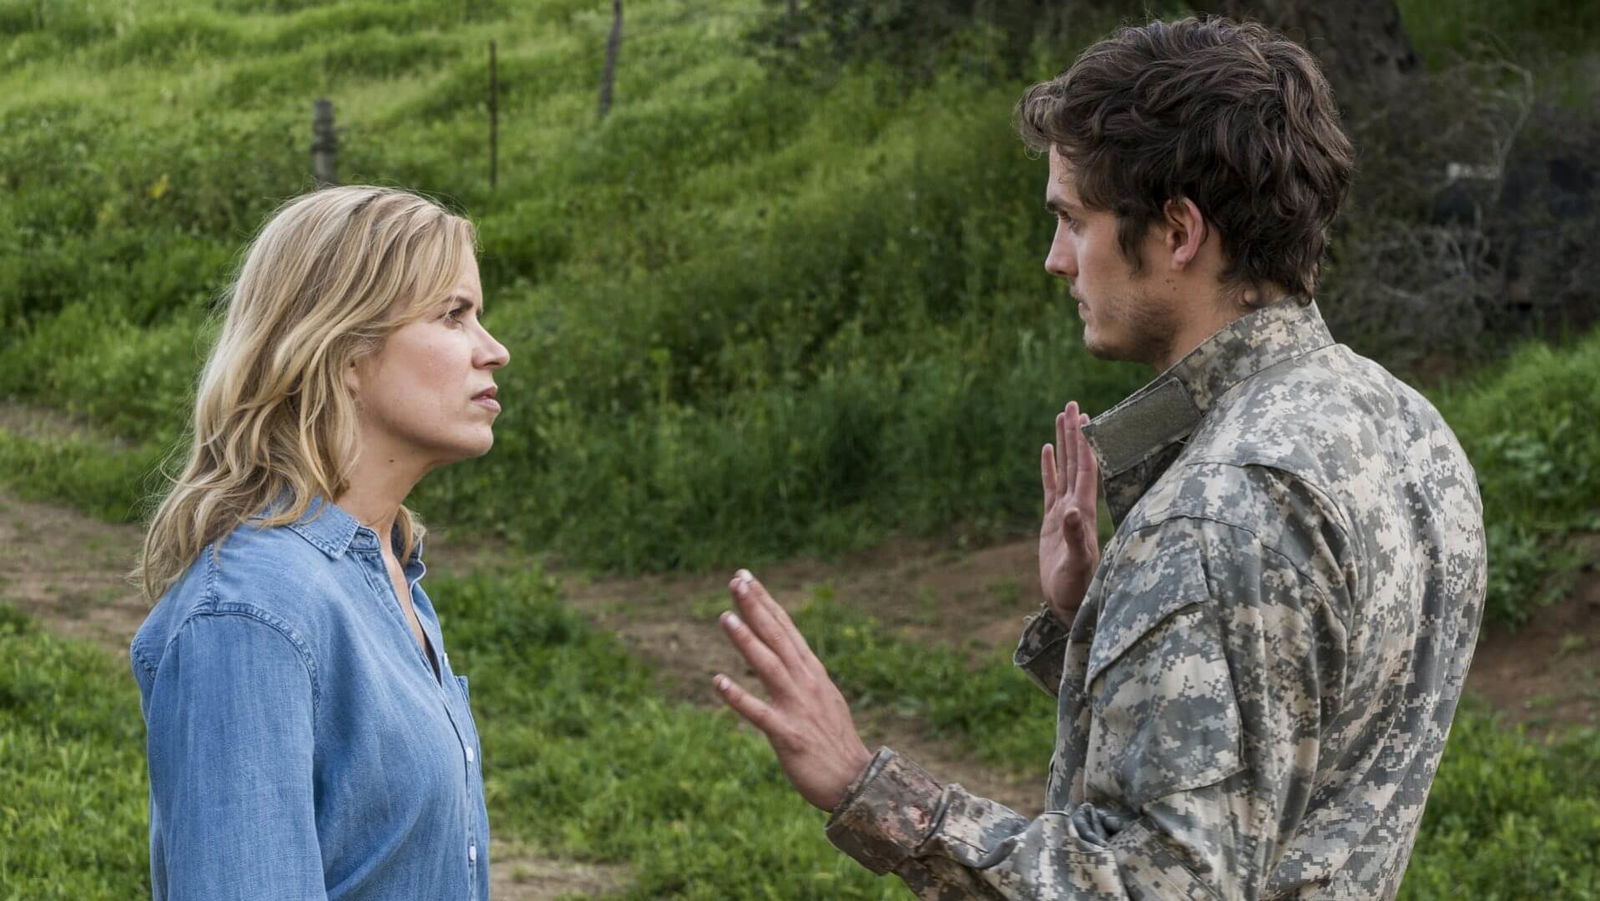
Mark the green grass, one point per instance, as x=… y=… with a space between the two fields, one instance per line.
x=1442 y=28
x=1510 y=817
x=1528 y=428
x=583 y=761
x=985 y=706
x=73 y=810
x=816 y=315
x=749 y=317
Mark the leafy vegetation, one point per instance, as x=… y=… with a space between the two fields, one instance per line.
x=986 y=706
x=583 y=761
x=73 y=822
x=1538 y=465
x=813 y=318
x=1509 y=817
x=751 y=316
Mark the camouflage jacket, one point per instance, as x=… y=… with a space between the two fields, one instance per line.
x=1256 y=691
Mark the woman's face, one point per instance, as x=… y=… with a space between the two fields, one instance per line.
x=428 y=397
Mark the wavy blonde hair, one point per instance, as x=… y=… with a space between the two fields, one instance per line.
x=326 y=280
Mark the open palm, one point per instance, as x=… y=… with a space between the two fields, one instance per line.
x=1069 y=537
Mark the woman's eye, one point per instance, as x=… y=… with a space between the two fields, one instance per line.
x=455 y=314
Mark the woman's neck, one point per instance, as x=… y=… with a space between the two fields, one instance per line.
x=375 y=494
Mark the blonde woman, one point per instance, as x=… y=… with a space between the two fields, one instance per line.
x=307 y=737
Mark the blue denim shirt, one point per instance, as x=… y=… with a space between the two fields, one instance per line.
x=300 y=745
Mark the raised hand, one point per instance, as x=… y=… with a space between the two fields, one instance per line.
x=807 y=721
x=1069 y=537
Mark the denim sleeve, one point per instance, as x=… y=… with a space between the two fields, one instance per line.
x=230 y=717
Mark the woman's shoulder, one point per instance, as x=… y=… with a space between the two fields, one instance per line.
x=272 y=575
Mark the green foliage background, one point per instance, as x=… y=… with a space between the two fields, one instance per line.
x=754 y=313
x=585 y=761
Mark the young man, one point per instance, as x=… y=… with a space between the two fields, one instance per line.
x=1256 y=682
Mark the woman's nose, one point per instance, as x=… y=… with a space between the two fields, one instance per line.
x=491 y=353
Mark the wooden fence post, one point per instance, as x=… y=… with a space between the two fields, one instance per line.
x=613 y=46
x=324 y=144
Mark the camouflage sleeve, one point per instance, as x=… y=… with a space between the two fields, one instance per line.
x=1042 y=650
x=946 y=843
x=1189 y=757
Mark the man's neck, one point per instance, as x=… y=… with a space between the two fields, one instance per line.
x=1210 y=313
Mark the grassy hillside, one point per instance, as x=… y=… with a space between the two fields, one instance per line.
x=750 y=316
x=583 y=761
x=756 y=317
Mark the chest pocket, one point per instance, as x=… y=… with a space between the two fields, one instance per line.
x=1164 y=714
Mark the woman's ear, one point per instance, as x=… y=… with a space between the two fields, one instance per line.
x=1186 y=231
x=352 y=378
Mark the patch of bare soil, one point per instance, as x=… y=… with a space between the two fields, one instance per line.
x=70 y=571
x=516 y=874
x=1546 y=675
x=973 y=600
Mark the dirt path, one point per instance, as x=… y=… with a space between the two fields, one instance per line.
x=1547 y=675
x=69 y=571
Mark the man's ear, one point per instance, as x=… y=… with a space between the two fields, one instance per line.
x=1186 y=231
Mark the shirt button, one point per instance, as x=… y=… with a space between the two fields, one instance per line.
x=472 y=853
x=470 y=755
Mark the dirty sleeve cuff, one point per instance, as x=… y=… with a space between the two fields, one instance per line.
x=886 y=813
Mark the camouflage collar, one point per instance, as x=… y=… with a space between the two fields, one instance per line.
x=1168 y=408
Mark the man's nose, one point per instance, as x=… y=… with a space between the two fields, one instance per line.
x=1062 y=261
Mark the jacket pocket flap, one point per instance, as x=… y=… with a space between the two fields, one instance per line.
x=1159 y=571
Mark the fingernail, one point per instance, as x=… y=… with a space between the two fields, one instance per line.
x=744 y=575
x=732 y=619
x=721 y=682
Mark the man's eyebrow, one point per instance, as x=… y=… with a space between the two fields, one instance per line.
x=1059 y=205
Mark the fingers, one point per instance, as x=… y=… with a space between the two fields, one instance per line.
x=758 y=712
x=1047 y=475
x=772 y=671
x=1061 y=452
x=1071 y=420
x=772 y=624
x=1086 y=482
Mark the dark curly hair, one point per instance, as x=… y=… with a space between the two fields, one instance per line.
x=1232 y=116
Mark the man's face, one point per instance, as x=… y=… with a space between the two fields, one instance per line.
x=1125 y=316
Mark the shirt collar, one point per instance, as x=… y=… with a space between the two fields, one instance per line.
x=333 y=531
x=329 y=528
x=1168 y=408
